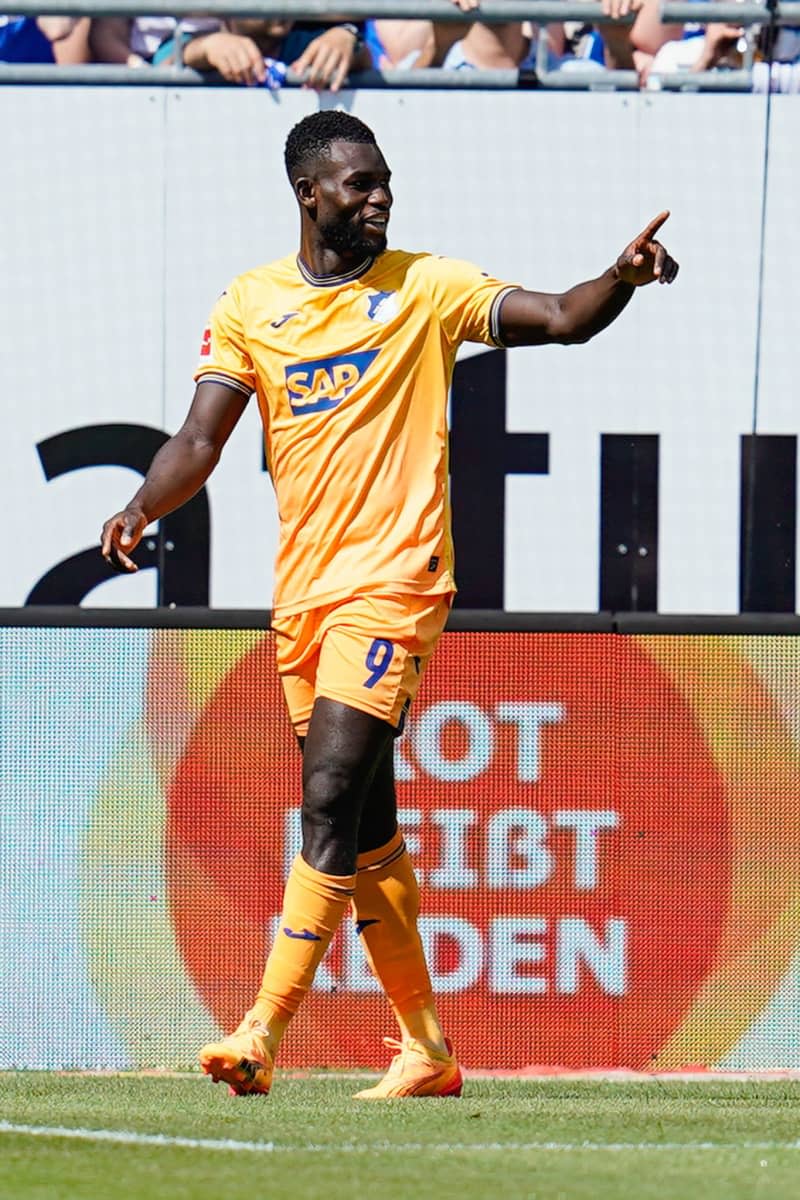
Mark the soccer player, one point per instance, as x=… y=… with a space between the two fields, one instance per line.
x=349 y=348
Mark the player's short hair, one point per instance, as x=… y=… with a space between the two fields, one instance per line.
x=311 y=138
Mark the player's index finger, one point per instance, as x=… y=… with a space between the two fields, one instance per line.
x=652 y=229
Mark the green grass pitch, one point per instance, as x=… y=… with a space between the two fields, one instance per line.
x=168 y=1138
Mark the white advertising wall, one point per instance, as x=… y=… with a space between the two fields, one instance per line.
x=127 y=211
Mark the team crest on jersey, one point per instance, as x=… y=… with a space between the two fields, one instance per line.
x=382 y=306
x=324 y=382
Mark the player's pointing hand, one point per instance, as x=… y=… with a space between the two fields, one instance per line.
x=645 y=259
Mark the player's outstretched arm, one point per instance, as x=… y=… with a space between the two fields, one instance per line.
x=538 y=318
x=179 y=469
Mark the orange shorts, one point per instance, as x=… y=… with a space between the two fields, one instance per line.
x=368 y=652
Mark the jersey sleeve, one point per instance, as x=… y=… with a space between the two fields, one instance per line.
x=467 y=300
x=224 y=355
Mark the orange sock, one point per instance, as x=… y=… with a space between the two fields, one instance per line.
x=385 y=908
x=313 y=906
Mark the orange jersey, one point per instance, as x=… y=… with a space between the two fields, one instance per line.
x=352 y=377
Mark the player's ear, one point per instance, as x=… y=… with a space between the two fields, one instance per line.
x=304 y=191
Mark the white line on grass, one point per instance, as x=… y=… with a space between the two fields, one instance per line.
x=131 y=1138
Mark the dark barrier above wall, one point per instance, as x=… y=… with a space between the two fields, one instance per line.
x=607 y=831
x=463 y=620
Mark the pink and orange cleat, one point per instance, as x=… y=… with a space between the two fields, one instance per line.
x=243 y=1060
x=416 y=1070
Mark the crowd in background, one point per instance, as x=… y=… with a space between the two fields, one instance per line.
x=261 y=51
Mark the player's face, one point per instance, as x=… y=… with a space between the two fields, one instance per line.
x=353 y=199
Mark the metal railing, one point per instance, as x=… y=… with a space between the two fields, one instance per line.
x=787 y=12
x=747 y=13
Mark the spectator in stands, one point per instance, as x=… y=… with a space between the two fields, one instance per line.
x=779 y=68
x=633 y=47
x=324 y=53
x=700 y=49
x=490 y=47
x=514 y=44
x=787 y=45
x=415 y=43
x=74 y=48
x=616 y=47
x=511 y=45
x=32 y=39
x=406 y=44
x=137 y=41
x=723 y=46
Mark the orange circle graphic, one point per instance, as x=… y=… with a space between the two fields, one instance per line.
x=570 y=824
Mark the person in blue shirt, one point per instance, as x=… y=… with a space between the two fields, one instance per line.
x=30 y=39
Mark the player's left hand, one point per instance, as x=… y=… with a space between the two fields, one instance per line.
x=645 y=259
x=326 y=61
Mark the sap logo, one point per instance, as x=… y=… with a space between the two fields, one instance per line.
x=316 y=386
